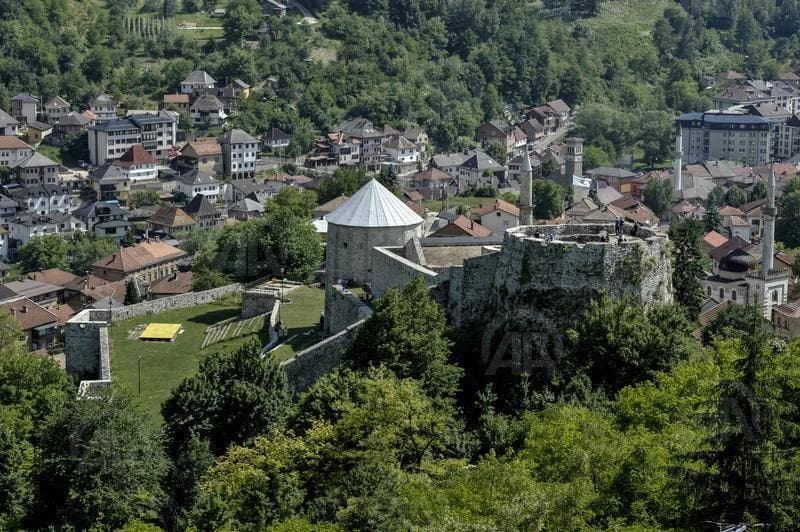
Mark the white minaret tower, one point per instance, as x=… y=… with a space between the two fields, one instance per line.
x=678 y=178
x=526 y=190
x=768 y=243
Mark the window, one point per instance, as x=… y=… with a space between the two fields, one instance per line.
x=733 y=295
x=774 y=296
x=722 y=293
x=708 y=290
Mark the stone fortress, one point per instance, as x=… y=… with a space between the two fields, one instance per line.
x=532 y=280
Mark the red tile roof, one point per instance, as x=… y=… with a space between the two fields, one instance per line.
x=27 y=313
x=714 y=239
x=12 y=143
x=496 y=205
x=136 y=156
x=462 y=225
x=54 y=276
x=140 y=256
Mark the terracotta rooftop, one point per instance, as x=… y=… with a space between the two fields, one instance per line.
x=204 y=147
x=727 y=210
x=431 y=174
x=135 y=156
x=140 y=256
x=714 y=239
x=791 y=309
x=467 y=226
x=177 y=283
x=12 y=143
x=171 y=217
x=496 y=205
x=176 y=98
x=54 y=276
x=28 y=314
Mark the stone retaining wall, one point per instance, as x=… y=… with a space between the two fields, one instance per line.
x=180 y=301
x=390 y=268
x=343 y=309
x=311 y=364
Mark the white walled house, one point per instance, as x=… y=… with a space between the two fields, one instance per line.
x=13 y=151
x=239 y=153
x=9 y=125
x=56 y=108
x=138 y=165
x=400 y=150
x=103 y=107
x=276 y=139
x=195 y=182
x=42 y=199
x=28 y=226
x=208 y=110
x=199 y=79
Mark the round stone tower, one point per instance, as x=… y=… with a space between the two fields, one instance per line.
x=373 y=217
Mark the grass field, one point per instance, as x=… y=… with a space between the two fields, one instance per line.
x=165 y=364
x=300 y=316
x=467 y=201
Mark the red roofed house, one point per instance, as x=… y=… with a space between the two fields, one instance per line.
x=497 y=216
x=148 y=261
x=39 y=324
x=462 y=226
x=176 y=102
x=138 y=164
x=713 y=240
x=13 y=151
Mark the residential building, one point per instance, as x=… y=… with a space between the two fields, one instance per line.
x=172 y=285
x=104 y=218
x=726 y=135
x=495 y=132
x=69 y=124
x=176 y=102
x=110 y=183
x=203 y=212
x=239 y=154
x=245 y=209
x=462 y=226
x=109 y=140
x=208 y=111
x=138 y=164
x=9 y=126
x=171 y=220
x=37 y=131
x=42 y=199
x=432 y=183
x=238 y=89
x=238 y=189
x=329 y=206
x=276 y=139
x=13 y=151
x=195 y=182
x=199 y=79
x=8 y=208
x=418 y=136
x=36 y=169
x=28 y=226
x=39 y=325
x=203 y=154
x=401 y=151
x=147 y=261
x=40 y=292
x=617 y=178
x=56 y=108
x=103 y=107
x=497 y=216
x=470 y=168
x=25 y=107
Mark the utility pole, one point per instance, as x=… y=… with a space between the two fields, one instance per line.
x=139 y=370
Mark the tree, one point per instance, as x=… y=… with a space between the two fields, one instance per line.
x=233 y=397
x=497 y=151
x=87 y=248
x=548 y=199
x=204 y=278
x=242 y=18
x=734 y=321
x=294 y=243
x=618 y=343
x=343 y=181
x=735 y=196
x=759 y=191
x=45 y=252
x=655 y=132
x=406 y=333
x=787 y=225
x=712 y=219
x=141 y=198
x=296 y=201
x=98 y=64
x=687 y=269
x=23 y=410
x=131 y=293
x=101 y=464
x=658 y=195
x=209 y=5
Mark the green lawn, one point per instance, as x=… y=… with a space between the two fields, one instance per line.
x=165 y=364
x=300 y=316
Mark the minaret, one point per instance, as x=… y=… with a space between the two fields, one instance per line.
x=573 y=158
x=768 y=242
x=678 y=177
x=526 y=190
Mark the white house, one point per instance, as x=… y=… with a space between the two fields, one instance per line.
x=138 y=165
x=195 y=182
x=208 y=110
x=401 y=151
x=13 y=151
x=27 y=226
x=199 y=79
x=104 y=107
x=111 y=139
x=56 y=108
x=8 y=124
x=42 y=199
x=239 y=153
x=276 y=139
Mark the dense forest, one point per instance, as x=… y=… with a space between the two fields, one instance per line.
x=446 y=65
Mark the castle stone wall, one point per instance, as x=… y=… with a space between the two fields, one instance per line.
x=189 y=299
x=258 y=301
x=390 y=268
x=345 y=309
x=311 y=364
x=86 y=346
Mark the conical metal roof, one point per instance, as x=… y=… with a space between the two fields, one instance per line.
x=374 y=206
